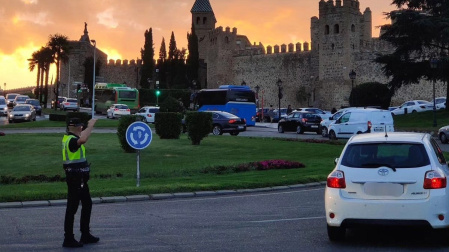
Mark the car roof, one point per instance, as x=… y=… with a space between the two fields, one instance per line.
x=389 y=137
x=150 y=107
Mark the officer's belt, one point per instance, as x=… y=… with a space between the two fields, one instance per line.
x=74 y=170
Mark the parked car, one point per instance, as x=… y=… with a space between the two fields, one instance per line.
x=413 y=107
x=22 y=112
x=10 y=99
x=274 y=114
x=263 y=115
x=361 y=121
x=300 y=122
x=394 y=179
x=69 y=104
x=36 y=105
x=322 y=113
x=443 y=134
x=3 y=106
x=20 y=99
x=118 y=110
x=440 y=103
x=148 y=113
x=57 y=102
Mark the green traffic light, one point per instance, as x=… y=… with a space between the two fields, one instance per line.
x=158 y=92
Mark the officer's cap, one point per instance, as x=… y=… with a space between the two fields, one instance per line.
x=75 y=122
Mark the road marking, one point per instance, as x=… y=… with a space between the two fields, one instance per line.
x=292 y=219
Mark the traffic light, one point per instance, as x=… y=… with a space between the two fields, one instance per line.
x=158 y=92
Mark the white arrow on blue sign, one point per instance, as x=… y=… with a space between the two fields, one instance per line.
x=138 y=135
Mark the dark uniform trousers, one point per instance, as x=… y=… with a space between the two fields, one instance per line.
x=78 y=190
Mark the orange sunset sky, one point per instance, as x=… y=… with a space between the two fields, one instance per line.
x=118 y=26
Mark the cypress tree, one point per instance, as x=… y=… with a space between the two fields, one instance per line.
x=147 y=54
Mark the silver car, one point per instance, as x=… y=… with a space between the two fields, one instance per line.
x=443 y=134
x=69 y=104
x=3 y=107
x=22 y=112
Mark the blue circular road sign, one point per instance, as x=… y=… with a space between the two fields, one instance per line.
x=138 y=135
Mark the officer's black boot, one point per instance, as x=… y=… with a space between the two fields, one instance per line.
x=70 y=242
x=88 y=238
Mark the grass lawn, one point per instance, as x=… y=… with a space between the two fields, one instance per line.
x=422 y=121
x=165 y=166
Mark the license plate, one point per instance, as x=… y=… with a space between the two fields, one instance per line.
x=378 y=129
x=240 y=127
x=383 y=189
x=314 y=126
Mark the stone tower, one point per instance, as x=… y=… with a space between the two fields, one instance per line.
x=203 y=20
x=337 y=34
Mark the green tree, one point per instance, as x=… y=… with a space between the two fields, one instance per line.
x=147 y=54
x=59 y=45
x=370 y=94
x=41 y=59
x=193 y=62
x=419 y=32
x=162 y=64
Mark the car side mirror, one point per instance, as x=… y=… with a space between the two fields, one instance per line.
x=336 y=161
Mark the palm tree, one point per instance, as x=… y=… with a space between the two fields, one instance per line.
x=42 y=60
x=59 y=45
x=47 y=58
x=35 y=61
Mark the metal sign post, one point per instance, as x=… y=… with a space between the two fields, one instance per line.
x=138 y=136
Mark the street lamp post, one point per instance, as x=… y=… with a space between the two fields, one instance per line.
x=434 y=66
x=257 y=95
x=93 y=82
x=352 y=76
x=280 y=95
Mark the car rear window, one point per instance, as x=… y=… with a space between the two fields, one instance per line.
x=153 y=110
x=121 y=106
x=394 y=155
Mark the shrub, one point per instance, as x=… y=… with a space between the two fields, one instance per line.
x=199 y=125
x=254 y=166
x=370 y=94
x=123 y=125
x=168 y=125
x=171 y=104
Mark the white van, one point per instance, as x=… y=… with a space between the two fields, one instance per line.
x=361 y=121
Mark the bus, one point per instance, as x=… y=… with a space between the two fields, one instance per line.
x=237 y=100
x=107 y=94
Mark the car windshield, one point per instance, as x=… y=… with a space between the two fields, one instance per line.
x=72 y=100
x=21 y=98
x=393 y=155
x=21 y=108
x=33 y=102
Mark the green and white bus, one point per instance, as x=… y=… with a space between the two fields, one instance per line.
x=107 y=94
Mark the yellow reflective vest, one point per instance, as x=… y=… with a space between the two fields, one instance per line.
x=69 y=157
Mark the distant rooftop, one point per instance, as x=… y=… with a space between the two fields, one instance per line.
x=201 y=6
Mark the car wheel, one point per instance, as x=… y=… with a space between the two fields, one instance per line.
x=299 y=129
x=324 y=132
x=336 y=233
x=217 y=130
x=332 y=135
x=414 y=111
x=443 y=138
x=234 y=133
x=280 y=129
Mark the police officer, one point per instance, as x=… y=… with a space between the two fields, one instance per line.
x=77 y=174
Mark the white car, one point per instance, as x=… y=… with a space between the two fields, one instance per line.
x=322 y=113
x=3 y=106
x=397 y=178
x=413 y=107
x=440 y=103
x=118 y=110
x=148 y=113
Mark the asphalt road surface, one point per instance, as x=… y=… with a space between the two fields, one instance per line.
x=288 y=220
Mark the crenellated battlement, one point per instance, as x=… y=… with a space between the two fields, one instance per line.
x=119 y=62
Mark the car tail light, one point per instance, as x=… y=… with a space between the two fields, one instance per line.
x=116 y=109
x=369 y=125
x=434 y=180
x=66 y=103
x=336 y=180
x=127 y=109
x=232 y=121
x=149 y=115
x=304 y=120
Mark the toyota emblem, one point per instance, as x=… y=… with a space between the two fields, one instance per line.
x=383 y=172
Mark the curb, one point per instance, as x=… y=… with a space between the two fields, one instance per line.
x=158 y=196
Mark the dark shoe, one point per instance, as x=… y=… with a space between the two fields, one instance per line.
x=70 y=242
x=88 y=238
